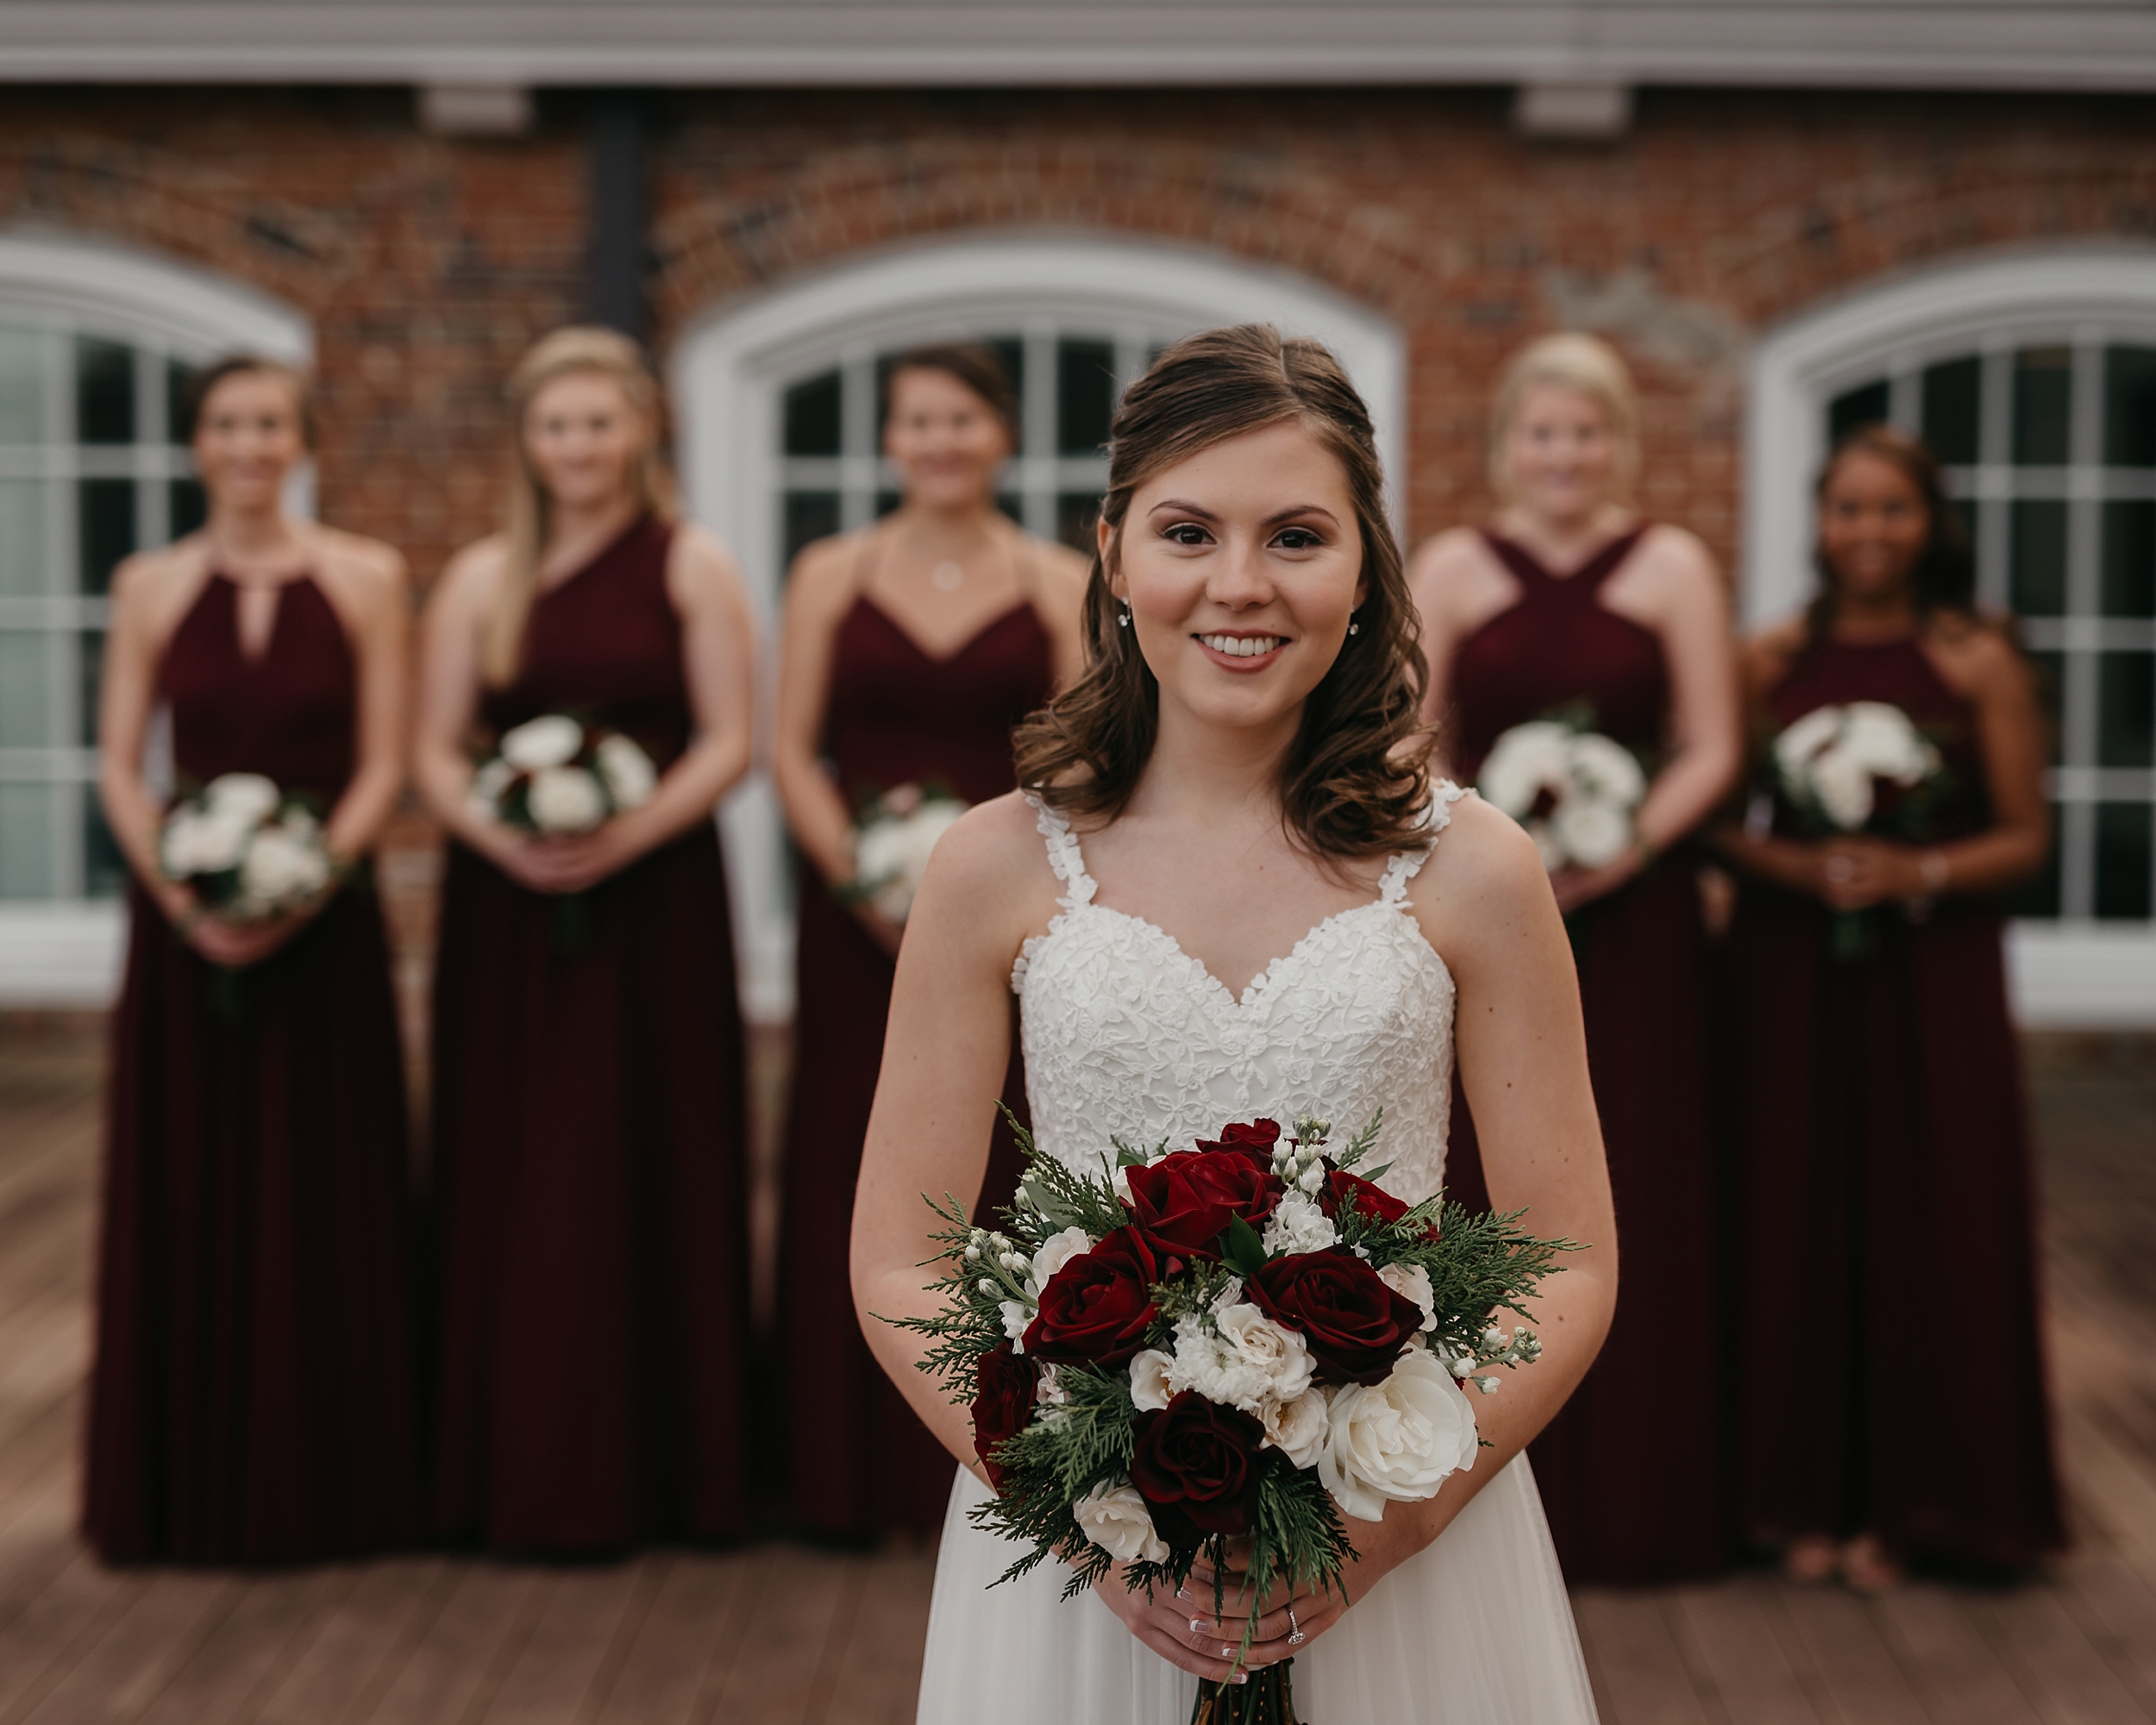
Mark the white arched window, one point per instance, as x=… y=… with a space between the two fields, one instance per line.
x=2033 y=377
x=777 y=403
x=96 y=344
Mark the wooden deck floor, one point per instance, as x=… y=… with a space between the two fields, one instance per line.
x=781 y=1633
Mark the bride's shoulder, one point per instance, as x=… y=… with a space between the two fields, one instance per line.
x=1483 y=873
x=991 y=873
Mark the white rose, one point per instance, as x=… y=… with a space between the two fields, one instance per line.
x=488 y=785
x=1398 y=1439
x=1524 y=762
x=1590 y=832
x=1057 y=1251
x=243 y=798
x=1412 y=1281
x=1842 y=783
x=631 y=777
x=896 y=850
x=551 y=740
x=1148 y=1379
x=1115 y=1518
x=1795 y=747
x=564 y=800
x=1298 y=1224
x=1279 y=1352
x=1606 y=769
x=280 y=868
x=1297 y=1428
x=195 y=843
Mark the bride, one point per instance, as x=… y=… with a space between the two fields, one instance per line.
x=1234 y=893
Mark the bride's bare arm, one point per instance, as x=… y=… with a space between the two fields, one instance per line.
x=987 y=887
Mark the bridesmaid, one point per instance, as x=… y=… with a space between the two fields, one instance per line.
x=910 y=650
x=1572 y=601
x=588 y=1111
x=251 y=1401
x=1893 y=1402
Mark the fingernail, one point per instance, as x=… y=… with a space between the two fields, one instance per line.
x=1196 y=1624
x=1240 y=1676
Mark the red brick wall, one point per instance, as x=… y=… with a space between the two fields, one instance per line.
x=428 y=264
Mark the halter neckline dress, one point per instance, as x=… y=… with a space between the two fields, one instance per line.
x=1127 y=1033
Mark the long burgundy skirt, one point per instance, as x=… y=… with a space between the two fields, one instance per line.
x=591 y=1251
x=252 y=1400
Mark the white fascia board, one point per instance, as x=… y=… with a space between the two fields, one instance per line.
x=2088 y=46
x=61 y=956
x=2085 y=977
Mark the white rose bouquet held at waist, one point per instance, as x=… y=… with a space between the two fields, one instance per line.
x=557 y=777
x=893 y=834
x=1246 y=1341
x=1574 y=791
x=1862 y=766
x=249 y=850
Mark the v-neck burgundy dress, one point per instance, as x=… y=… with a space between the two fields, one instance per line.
x=859 y=1461
x=252 y=1400
x=1643 y=1413
x=1890 y=1351
x=588 y=1136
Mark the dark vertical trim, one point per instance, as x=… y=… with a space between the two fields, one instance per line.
x=615 y=219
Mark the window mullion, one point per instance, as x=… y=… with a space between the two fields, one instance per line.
x=857 y=440
x=1037 y=470
x=1994 y=475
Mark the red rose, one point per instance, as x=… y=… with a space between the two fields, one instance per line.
x=1095 y=1309
x=1354 y=1325
x=1372 y=1200
x=1253 y=1135
x=1004 y=1384
x=1183 y=1202
x=1196 y=1464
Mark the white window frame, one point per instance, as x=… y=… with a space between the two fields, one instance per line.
x=730 y=368
x=2072 y=973
x=63 y=952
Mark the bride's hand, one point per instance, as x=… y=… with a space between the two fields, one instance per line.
x=1179 y=1632
x=1380 y=1547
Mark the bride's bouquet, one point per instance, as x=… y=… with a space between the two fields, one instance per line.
x=1861 y=766
x=1574 y=790
x=555 y=774
x=894 y=834
x=249 y=850
x=1244 y=1342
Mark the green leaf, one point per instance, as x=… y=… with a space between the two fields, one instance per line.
x=1246 y=1250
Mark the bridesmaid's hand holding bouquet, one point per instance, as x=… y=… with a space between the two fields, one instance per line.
x=251 y=860
x=1578 y=794
x=560 y=783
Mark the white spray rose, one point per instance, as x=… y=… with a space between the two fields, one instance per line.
x=1298 y=1224
x=1017 y=1314
x=1148 y=1379
x=489 y=783
x=197 y=843
x=1298 y=1427
x=564 y=800
x=1524 y=762
x=894 y=850
x=281 y=868
x=1590 y=832
x=551 y=740
x=1396 y=1440
x=1215 y=1369
x=1115 y=1518
x=1057 y=1251
x=1279 y=1352
x=1606 y=770
x=1843 y=785
x=631 y=777
x=1795 y=747
x=242 y=798
x=1412 y=1281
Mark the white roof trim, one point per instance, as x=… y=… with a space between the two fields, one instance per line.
x=199 y=310
x=1935 y=44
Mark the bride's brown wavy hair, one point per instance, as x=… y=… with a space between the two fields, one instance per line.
x=1356 y=781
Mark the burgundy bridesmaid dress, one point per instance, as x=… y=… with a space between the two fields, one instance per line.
x=252 y=1399
x=1890 y=1357
x=1631 y=1470
x=588 y=1135
x=861 y=1462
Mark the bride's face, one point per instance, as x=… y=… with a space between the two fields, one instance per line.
x=1241 y=567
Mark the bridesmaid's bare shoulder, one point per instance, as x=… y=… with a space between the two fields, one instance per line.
x=151 y=591
x=1445 y=562
x=820 y=584
x=1765 y=657
x=365 y=579
x=470 y=579
x=1978 y=656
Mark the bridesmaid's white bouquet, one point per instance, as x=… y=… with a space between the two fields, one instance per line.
x=1574 y=790
x=249 y=850
x=555 y=774
x=1246 y=1341
x=893 y=834
x=1833 y=762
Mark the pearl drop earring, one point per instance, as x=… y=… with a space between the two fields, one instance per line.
x=1124 y=621
x=1354 y=628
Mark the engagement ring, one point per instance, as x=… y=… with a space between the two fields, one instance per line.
x=1295 y=1637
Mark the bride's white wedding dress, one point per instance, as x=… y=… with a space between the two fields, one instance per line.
x=1125 y=1032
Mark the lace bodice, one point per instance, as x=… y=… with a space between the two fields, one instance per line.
x=1127 y=1034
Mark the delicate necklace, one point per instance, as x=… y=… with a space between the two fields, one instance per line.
x=948 y=576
